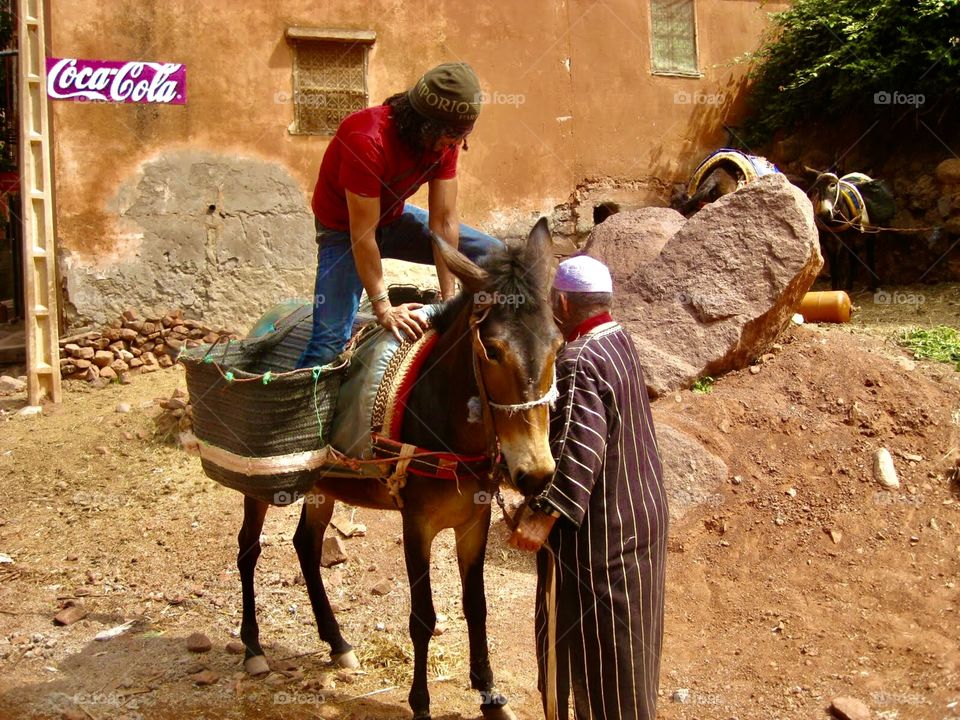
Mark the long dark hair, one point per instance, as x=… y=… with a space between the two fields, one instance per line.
x=417 y=132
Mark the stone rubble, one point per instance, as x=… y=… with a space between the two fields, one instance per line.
x=174 y=424
x=130 y=345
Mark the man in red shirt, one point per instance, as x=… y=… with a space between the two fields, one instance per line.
x=378 y=158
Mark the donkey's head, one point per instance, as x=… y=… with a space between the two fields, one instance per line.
x=514 y=343
x=825 y=196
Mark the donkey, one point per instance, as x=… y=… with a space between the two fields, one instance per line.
x=720 y=173
x=497 y=341
x=848 y=210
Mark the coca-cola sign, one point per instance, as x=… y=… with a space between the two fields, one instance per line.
x=120 y=82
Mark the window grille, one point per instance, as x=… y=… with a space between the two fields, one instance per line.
x=329 y=78
x=673 y=38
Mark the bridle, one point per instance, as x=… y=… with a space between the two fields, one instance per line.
x=478 y=314
x=846 y=194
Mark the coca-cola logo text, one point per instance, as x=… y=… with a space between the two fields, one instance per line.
x=121 y=82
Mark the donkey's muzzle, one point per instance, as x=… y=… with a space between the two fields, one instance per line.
x=533 y=482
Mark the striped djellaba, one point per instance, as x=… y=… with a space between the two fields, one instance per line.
x=605 y=558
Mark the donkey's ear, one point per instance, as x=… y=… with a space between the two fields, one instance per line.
x=538 y=255
x=473 y=277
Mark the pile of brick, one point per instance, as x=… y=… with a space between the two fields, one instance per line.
x=174 y=423
x=131 y=345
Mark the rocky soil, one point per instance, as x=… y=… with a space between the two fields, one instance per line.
x=796 y=580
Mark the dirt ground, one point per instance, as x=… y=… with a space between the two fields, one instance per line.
x=799 y=580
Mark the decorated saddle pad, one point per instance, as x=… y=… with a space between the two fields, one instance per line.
x=749 y=167
x=365 y=400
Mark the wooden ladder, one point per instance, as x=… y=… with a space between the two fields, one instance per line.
x=36 y=189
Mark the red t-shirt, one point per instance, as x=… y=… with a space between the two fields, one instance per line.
x=367 y=157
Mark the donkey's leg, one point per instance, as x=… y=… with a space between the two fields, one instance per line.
x=417 y=539
x=471 y=547
x=835 y=252
x=871 y=247
x=254 y=512
x=308 y=540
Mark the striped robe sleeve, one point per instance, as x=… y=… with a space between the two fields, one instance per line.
x=578 y=438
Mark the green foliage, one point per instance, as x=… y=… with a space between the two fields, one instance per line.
x=826 y=58
x=703 y=385
x=941 y=344
x=7 y=26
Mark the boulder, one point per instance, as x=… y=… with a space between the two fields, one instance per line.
x=103 y=358
x=948 y=172
x=627 y=240
x=691 y=473
x=724 y=286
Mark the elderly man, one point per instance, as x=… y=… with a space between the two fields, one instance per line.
x=601 y=524
x=378 y=158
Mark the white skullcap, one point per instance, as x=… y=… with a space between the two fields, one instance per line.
x=583 y=274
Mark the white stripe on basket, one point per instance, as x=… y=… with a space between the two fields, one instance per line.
x=273 y=465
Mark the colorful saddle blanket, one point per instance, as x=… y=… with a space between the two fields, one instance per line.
x=748 y=167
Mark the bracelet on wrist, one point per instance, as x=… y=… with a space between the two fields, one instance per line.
x=385 y=295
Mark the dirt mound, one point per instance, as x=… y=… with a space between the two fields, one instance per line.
x=803 y=579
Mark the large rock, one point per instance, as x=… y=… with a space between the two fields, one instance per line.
x=691 y=473
x=724 y=286
x=948 y=172
x=627 y=240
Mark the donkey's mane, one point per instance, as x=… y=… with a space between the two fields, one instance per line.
x=510 y=277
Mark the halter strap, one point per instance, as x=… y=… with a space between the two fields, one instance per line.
x=487 y=405
x=548 y=398
x=847 y=195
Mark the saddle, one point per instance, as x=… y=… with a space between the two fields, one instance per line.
x=747 y=167
x=363 y=401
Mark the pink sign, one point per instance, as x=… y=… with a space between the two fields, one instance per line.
x=120 y=82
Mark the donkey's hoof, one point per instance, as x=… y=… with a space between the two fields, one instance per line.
x=256 y=665
x=347 y=660
x=497 y=712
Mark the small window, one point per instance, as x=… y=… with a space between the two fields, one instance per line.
x=329 y=77
x=673 y=38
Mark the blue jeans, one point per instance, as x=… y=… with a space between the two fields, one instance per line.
x=336 y=294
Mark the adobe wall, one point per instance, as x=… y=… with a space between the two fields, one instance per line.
x=205 y=206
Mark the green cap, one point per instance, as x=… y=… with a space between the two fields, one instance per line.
x=448 y=93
